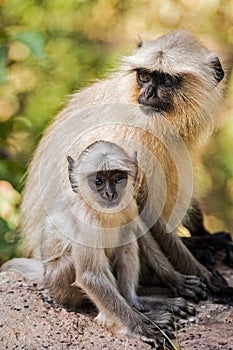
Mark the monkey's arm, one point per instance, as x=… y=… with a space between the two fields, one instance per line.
x=179 y=256
x=194 y=220
x=182 y=259
x=94 y=276
x=180 y=285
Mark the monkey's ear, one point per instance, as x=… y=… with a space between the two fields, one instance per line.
x=135 y=161
x=72 y=179
x=71 y=162
x=139 y=42
x=218 y=70
x=135 y=157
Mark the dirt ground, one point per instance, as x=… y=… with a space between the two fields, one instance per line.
x=30 y=320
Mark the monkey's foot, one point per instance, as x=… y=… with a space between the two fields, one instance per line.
x=160 y=319
x=177 y=306
x=189 y=287
x=104 y=320
x=161 y=342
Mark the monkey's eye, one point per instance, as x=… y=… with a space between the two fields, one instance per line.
x=169 y=80
x=98 y=181
x=144 y=77
x=118 y=179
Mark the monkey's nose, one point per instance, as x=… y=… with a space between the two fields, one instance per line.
x=110 y=195
x=149 y=92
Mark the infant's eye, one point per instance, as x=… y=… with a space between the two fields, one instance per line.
x=119 y=178
x=98 y=181
x=144 y=77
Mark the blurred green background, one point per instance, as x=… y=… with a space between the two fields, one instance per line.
x=49 y=49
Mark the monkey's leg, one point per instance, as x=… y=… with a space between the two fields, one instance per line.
x=180 y=285
x=59 y=276
x=94 y=276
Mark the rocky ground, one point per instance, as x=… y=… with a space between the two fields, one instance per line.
x=30 y=320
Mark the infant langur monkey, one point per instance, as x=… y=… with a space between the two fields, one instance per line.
x=91 y=246
x=94 y=252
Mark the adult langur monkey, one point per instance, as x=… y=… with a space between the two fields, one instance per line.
x=171 y=87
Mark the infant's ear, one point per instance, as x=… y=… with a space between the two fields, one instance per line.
x=135 y=162
x=218 y=70
x=71 y=162
x=135 y=158
x=72 y=179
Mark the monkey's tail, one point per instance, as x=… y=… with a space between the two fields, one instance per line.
x=31 y=269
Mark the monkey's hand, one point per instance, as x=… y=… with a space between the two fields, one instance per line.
x=188 y=287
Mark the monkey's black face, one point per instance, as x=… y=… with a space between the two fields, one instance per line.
x=109 y=186
x=156 y=89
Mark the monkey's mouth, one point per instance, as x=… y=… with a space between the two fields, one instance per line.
x=154 y=105
x=147 y=109
x=156 y=109
x=108 y=204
